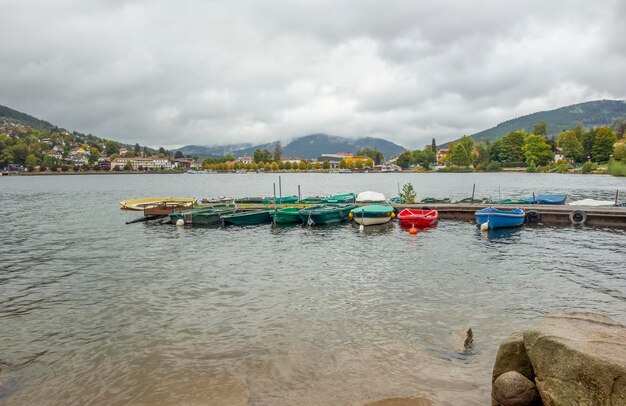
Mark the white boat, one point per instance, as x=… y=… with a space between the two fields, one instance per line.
x=592 y=203
x=370 y=197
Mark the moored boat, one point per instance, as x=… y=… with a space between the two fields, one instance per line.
x=372 y=215
x=418 y=218
x=396 y=200
x=325 y=214
x=593 y=203
x=435 y=200
x=491 y=218
x=546 y=199
x=370 y=197
x=313 y=200
x=251 y=200
x=146 y=202
x=248 y=218
x=203 y=216
x=287 y=215
x=281 y=200
x=166 y=208
x=504 y=201
x=342 y=198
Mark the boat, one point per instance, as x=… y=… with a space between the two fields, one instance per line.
x=217 y=200
x=435 y=200
x=342 y=198
x=325 y=214
x=546 y=199
x=418 y=218
x=372 y=215
x=490 y=218
x=250 y=200
x=313 y=200
x=166 y=208
x=504 y=201
x=396 y=200
x=248 y=218
x=593 y=203
x=141 y=204
x=281 y=200
x=288 y=215
x=203 y=216
x=370 y=197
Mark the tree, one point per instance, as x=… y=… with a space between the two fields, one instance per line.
x=111 y=147
x=262 y=155
x=619 y=151
x=302 y=165
x=268 y=166
x=587 y=139
x=31 y=160
x=137 y=149
x=603 y=144
x=343 y=164
x=372 y=153
x=318 y=166
x=326 y=165
x=288 y=165
x=461 y=151
x=369 y=163
x=513 y=146
x=540 y=128
x=537 y=150
x=433 y=146
x=178 y=154
x=423 y=158
x=274 y=166
x=480 y=155
x=278 y=152
x=405 y=160
x=358 y=164
x=408 y=194
x=128 y=166
x=571 y=146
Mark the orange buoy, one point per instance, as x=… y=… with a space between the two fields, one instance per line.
x=413 y=230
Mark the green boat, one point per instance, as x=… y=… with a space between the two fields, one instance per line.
x=504 y=201
x=372 y=215
x=281 y=200
x=248 y=218
x=396 y=200
x=251 y=200
x=313 y=200
x=326 y=214
x=202 y=216
x=288 y=215
x=435 y=200
x=343 y=198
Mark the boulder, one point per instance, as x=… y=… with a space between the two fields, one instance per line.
x=514 y=389
x=578 y=359
x=512 y=357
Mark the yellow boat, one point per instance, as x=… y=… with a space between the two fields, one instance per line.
x=148 y=202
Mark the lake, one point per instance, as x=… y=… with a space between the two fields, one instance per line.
x=96 y=311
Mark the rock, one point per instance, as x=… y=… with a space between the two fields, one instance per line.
x=462 y=340
x=514 y=389
x=512 y=357
x=578 y=359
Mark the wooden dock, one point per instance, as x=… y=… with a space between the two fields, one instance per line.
x=535 y=213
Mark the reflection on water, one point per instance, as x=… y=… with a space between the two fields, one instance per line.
x=94 y=310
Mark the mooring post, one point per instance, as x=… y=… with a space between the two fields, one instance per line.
x=616 y=196
x=274 y=193
x=280 y=189
x=534 y=200
x=299 y=195
x=473 y=190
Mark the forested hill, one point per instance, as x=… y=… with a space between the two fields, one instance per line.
x=589 y=114
x=23 y=118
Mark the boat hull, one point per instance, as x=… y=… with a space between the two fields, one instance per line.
x=203 y=216
x=500 y=218
x=547 y=199
x=372 y=215
x=325 y=214
x=372 y=221
x=250 y=218
x=148 y=202
x=287 y=216
x=418 y=218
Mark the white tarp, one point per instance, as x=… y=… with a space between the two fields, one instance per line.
x=370 y=197
x=592 y=202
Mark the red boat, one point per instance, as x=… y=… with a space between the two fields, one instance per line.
x=417 y=218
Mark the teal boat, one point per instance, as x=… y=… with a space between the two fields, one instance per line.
x=203 y=216
x=372 y=215
x=396 y=200
x=435 y=200
x=288 y=215
x=326 y=214
x=248 y=218
x=343 y=198
x=250 y=200
x=505 y=201
x=313 y=200
x=281 y=200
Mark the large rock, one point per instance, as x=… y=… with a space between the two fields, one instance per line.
x=514 y=389
x=512 y=357
x=578 y=359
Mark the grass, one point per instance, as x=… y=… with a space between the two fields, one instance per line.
x=617 y=168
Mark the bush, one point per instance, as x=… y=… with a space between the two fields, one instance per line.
x=54 y=168
x=513 y=164
x=493 y=166
x=617 y=168
x=532 y=168
x=76 y=168
x=562 y=168
x=42 y=168
x=65 y=168
x=96 y=168
x=31 y=169
x=587 y=167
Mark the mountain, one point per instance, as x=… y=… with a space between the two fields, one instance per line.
x=25 y=119
x=314 y=145
x=214 y=150
x=589 y=114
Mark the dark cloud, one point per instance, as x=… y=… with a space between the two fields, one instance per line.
x=206 y=72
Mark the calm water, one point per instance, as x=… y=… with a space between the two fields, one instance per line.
x=96 y=311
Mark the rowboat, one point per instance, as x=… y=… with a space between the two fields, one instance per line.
x=141 y=204
x=417 y=218
x=248 y=218
x=370 y=197
x=546 y=199
x=281 y=200
x=166 y=208
x=313 y=200
x=396 y=200
x=203 y=216
x=593 y=203
x=505 y=201
x=288 y=215
x=326 y=214
x=343 y=198
x=435 y=200
x=490 y=218
x=372 y=214
x=252 y=200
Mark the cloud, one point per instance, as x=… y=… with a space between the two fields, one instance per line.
x=209 y=72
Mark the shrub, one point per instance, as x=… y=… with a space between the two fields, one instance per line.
x=532 y=168
x=562 y=168
x=587 y=167
x=65 y=168
x=76 y=168
x=42 y=168
x=493 y=166
x=617 y=168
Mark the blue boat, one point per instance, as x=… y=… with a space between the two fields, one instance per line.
x=546 y=199
x=494 y=218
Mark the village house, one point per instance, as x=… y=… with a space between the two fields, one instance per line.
x=123 y=151
x=246 y=159
x=440 y=155
x=154 y=163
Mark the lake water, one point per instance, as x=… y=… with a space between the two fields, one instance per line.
x=93 y=311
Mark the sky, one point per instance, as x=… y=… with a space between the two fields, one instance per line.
x=208 y=72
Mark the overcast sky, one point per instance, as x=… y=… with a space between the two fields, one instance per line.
x=172 y=73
